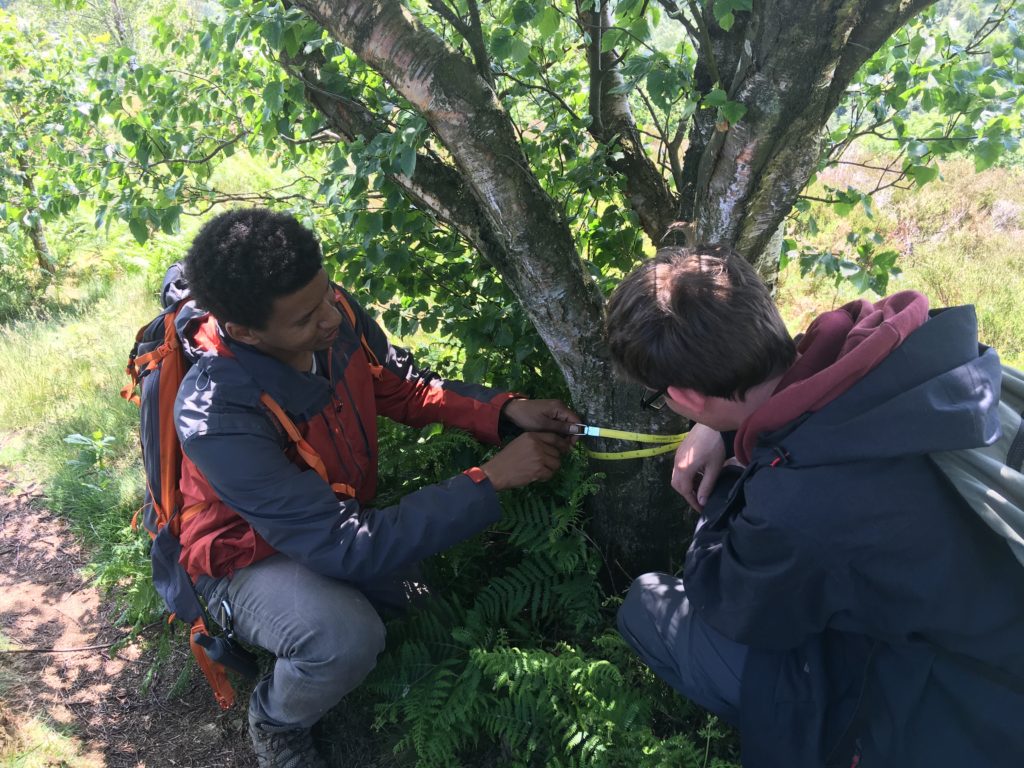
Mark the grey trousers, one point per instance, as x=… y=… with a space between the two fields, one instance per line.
x=325 y=634
x=681 y=648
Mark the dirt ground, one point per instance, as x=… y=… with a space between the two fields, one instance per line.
x=93 y=699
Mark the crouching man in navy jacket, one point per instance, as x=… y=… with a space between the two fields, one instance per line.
x=301 y=560
x=840 y=602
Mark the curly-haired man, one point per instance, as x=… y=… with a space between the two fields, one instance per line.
x=303 y=562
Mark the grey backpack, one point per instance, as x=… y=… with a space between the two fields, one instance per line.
x=990 y=478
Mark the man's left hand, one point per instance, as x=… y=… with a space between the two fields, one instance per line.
x=541 y=415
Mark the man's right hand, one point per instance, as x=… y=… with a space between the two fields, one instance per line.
x=530 y=457
x=699 y=460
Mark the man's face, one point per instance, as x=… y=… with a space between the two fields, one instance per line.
x=300 y=323
x=716 y=412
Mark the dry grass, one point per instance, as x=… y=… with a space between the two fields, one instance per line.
x=961 y=240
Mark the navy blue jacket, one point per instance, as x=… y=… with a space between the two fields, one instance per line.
x=885 y=620
x=248 y=495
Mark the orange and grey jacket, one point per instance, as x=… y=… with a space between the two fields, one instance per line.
x=248 y=494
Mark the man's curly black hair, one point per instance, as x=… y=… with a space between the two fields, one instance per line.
x=244 y=259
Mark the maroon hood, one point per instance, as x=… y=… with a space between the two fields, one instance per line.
x=839 y=348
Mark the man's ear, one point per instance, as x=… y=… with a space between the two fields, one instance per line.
x=242 y=333
x=688 y=399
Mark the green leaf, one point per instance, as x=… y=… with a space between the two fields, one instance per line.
x=610 y=39
x=922 y=174
x=139 y=230
x=724 y=11
x=848 y=268
x=548 y=21
x=860 y=280
x=716 y=98
x=523 y=12
x=271 y=31
x=407 y=160
x=519 y=51
x=170 y=220
x=986 y=152
x=640 y=29
x=733 y=111
x=659 y=87
x=130 y=131
x=885 y=260
x=272 y=93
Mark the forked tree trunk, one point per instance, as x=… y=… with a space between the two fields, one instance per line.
x=789 y=61
x=36 y=232
x=789 y=64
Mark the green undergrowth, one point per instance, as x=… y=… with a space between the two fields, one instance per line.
x=959 y=239
x=514 y=660
x=67 y=429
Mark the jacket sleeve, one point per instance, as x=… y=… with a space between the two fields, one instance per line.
x=417 y=396
x=298 y=514
x=758 y=578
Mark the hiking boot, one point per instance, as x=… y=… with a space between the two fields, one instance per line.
x=283 y=749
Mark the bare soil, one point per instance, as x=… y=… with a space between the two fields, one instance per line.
x=80 y=688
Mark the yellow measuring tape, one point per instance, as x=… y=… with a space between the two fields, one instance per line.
x=665 y=443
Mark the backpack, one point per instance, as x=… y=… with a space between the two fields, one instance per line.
x=161 y=356
x=990 y=478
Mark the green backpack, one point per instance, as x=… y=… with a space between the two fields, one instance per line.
x=990 y=478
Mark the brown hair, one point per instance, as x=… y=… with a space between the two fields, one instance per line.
x=698 y=318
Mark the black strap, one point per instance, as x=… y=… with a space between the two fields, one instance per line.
x=1000 y=677
x=1015 y=456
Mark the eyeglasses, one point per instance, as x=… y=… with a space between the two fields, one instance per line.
x=653 y=399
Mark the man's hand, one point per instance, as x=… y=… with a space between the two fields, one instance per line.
x=699 y=460
x=530 y=457
x=541 y=415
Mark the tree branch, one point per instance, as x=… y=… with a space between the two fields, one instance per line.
x=705 y=46
x=612 y=124
x=991 y=24
x=472 y=33
x=521 y=231
x=543 y=88
x=675 y=12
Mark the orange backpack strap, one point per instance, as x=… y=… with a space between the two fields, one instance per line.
x=216 y=674
x=371 y=358
x=306 y=451
x=170 y=359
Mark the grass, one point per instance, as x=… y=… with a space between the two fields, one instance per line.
x=39 y=744
x=61 y=370
x=961 y=241
x=61 y=375
x=28 y=740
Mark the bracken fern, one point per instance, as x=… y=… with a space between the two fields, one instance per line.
x=513 y=661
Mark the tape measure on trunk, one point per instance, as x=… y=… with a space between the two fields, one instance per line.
x=665 y=443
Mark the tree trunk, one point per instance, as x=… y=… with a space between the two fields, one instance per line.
x=798 y=58
x=636 y=516
x=36 y=233
x=789 y=62
x=120 y=26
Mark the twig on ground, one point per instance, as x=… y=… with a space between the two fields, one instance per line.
x=103 y=647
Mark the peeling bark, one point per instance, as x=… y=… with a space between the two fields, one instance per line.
x=789 y=62
x=802 y=57
x=531 y=247
x=612 y=124
x=724 y=57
